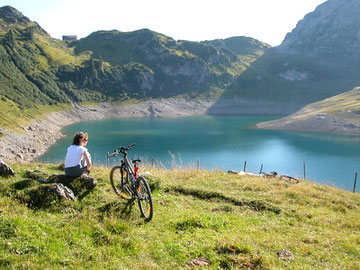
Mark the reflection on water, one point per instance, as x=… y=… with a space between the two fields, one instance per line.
x=223 y=143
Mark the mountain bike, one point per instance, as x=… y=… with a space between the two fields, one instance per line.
x=128 y=184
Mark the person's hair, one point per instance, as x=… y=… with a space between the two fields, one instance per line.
x=78 y=137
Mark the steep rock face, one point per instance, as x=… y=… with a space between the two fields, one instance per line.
x=167 y=67
x=10 y=15
x=330 y=35
x=318 y=59
x=109 y=65
x=334 y=27
x=11 y=18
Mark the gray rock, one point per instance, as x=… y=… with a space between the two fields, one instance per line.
x=89 y=181
x=6 y=170
x=285 y=255
x=62 y=192
x=41 y=180
x=350 y=126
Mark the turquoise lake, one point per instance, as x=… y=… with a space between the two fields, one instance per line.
x=222 y=143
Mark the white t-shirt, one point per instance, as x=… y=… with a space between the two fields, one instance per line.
x=75 y=156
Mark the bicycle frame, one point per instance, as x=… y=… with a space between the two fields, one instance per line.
x=125 y=161
x=133 y=170
x=129 y=184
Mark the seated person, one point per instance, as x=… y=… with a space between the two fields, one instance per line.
x=78 y=159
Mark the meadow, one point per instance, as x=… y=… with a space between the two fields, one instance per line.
x=202 y=219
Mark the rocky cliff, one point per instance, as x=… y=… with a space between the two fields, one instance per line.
x=112 y=65
x=331 y=35
x=318 y=59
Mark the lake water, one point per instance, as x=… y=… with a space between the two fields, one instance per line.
x=223 y=143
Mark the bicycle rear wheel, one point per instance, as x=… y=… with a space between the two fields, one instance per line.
x=145 y=199
x=120 y=182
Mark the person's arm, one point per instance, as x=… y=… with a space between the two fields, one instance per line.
x=88 y=161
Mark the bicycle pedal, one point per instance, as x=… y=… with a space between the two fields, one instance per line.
x=132 y=201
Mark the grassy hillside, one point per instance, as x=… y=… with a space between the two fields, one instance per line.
x=345 y=103
x=233 y=222
x=337 y=114
x=298 y=79
x=12 y=116
x=37 y=70
x=112 y=65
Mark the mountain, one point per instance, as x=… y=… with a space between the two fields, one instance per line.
x=112 y=65
x=10 y=17
x=328 y=39
x=318 y=59
x=165 y=67
x=330 y=34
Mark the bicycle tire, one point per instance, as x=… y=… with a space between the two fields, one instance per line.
x=145 y=198
x=120 y=182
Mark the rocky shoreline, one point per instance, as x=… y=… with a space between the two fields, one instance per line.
x=39 y=135
x=321 y=123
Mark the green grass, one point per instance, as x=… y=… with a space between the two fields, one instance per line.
x=234 y=222
x=58 y=54
x=339 y=104
x=12 y=116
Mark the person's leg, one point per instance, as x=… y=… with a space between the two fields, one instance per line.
x=75 y=171
x=83 y=169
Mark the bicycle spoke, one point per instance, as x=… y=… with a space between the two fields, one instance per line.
x=144 y=199
x=120 y=181
x=129 y=188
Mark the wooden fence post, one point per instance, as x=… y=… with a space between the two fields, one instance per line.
x=107 y=160
x=304 y=171
x=245 y=165
x=355 y=182
x=198 y=164
x=152 y=162
x=261 y=168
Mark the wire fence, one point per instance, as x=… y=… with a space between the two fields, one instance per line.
x=297 y=173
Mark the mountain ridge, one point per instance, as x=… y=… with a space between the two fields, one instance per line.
x=115 y=66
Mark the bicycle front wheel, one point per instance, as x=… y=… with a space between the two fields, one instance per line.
x=120 y=182
x=145 y=199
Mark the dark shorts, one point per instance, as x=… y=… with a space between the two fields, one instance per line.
x=75 y=171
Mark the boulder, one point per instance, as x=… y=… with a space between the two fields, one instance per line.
x=6 y=170
x=198 y=262
x=62 y=192
x=90 y=182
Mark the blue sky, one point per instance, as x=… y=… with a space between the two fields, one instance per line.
x=194 y=20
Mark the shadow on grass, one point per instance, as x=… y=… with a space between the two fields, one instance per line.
x=212 y=195
x=36 y=194
x=122 y=209
x=24 y=184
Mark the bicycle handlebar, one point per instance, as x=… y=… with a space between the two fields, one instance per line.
x=123 y=149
